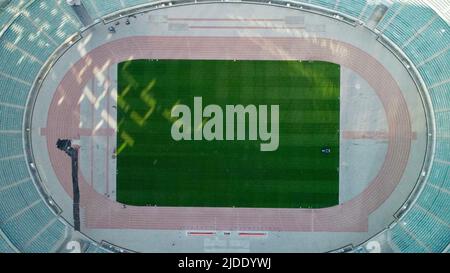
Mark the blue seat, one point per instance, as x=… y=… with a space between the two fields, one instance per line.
x=9 y=9
x=443 y=146
x=440 y=175
x=405 y=242
x=431 y=232
x=408 y=19
x=99 y=8
x=442 y=119
x=14 y=91
x=13 y=170
x=357 y=9
x=440 y=96
x=11 y=118
x=56 y=19
x=10 y=145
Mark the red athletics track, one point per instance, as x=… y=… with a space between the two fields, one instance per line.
x=352 y=216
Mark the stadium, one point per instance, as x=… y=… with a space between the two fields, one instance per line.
x=225 y=126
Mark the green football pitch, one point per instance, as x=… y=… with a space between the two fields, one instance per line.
x=154 y=169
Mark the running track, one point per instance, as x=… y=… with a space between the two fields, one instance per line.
x=352 y=216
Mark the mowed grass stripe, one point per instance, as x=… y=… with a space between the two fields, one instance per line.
x=217 y=197
x=158 y=170
x=213 y=151
x=311 y=167
x=289 y=140
x=288 y=104
x=313 y=186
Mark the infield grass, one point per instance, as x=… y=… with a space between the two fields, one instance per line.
x=153 y=169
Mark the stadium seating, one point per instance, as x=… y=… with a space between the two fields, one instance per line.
x=24 y=216
x=9 y=9
x=427 y=228
x=356 y=9
x=424 y=37
x=428 y=221
x=21 y=35
x=11 y=118
x=442 y=121
x=32 y=30
x=56 y=19
x=432 y=40
x=442 y=146
x=329 y=4
x=14 y=91
x=359 y=10
x=440 y=176
x=437 y=69
x=441 y=97
x=404 y=242
x=399 y=26
x=10 y=145
x=4 y=246
x=99 y=8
